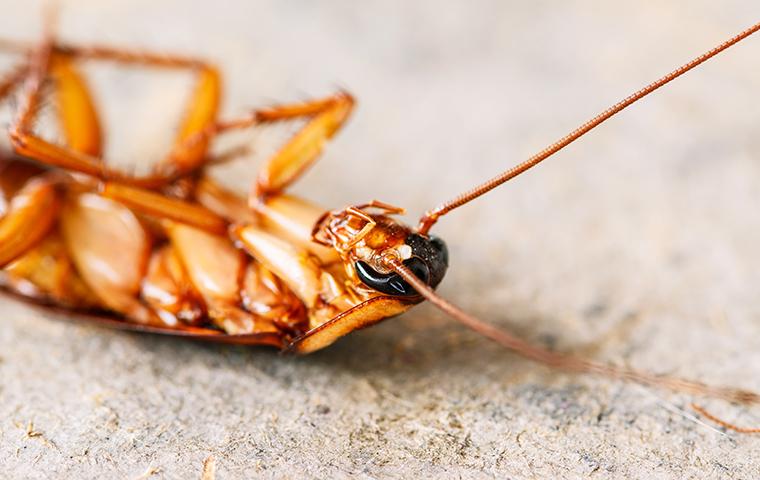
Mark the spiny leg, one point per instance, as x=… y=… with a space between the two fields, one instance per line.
x=29 y=248
x=160 y=206
x=129 y=56
x=284 y=215
x=15 y=76
x=225 y=203
x=83 y=150
x=325 y=116
x=76 y=108
x=302 y=150
x=27 y=144
x=191 y=143
x=289 y=216
x=12 y=79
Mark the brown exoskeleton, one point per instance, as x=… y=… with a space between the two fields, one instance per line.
x=173 y=252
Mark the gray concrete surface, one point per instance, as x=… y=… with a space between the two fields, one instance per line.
x=637 y=245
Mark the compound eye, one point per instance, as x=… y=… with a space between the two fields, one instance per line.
x=443 y=251
x=392 y=283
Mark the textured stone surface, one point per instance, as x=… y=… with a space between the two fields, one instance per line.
x=637 y=245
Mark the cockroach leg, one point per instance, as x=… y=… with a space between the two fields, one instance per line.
x=13 y=79
x=223 y=202
x=161 y=206
x=190 y=149
x=289 y=217
x=73 y=94
x=130 y=56
x=289 y=163
x=80 y=122
x=326 y=116
x=76 y=109
x=30 y=215
x=38 y=149
x=195 y=131
x=293 y=218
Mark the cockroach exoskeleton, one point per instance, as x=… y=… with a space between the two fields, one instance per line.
x=174 y=252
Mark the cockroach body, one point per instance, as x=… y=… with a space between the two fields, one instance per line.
x=174 y=252
x=194 y=261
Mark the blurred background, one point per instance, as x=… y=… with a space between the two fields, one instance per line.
x=637 y=244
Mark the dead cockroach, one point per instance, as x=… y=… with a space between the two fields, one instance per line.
x=173 y=252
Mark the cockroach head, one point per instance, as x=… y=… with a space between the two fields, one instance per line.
x=369 y=239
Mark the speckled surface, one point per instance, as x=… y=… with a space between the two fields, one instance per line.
x=637 y=245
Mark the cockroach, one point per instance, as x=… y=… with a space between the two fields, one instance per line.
x=174 y=252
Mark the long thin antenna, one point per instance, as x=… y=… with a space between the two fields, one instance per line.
x=432 y=216
x=723 y=423
x=569 y=362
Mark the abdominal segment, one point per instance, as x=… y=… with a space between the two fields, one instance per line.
x=97 y=255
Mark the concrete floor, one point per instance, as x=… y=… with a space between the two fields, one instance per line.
x=637 y=245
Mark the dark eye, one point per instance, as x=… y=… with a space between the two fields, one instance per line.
x=392 y=283
x=433 y=252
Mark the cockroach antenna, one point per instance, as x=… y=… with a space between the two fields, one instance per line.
x=431 y=216
x=542 y=355
x=570 y=362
